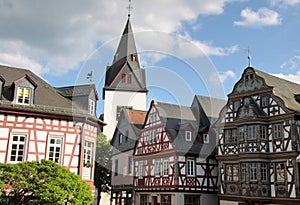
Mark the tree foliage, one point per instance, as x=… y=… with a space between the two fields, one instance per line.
x=102 y=177
x=44 y=182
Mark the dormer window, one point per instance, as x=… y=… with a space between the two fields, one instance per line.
x=206 y=138
x=23 y=95
x=24 y=90
x=188 y=136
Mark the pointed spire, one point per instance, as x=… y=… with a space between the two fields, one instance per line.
x=126 y=46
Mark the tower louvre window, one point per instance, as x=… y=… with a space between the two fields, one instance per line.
x=123 y=78
x=134 y=57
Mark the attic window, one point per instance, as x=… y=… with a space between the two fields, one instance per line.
x=249 y=76
x=23 y=95
x=188 y=136
x=205 y=138
x=134 y=57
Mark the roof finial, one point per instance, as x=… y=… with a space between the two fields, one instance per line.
x=129 y=8
x=249 y=56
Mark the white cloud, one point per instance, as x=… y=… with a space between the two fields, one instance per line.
x=225 y=75
x=261 y=17
x=56 y=36
x=284 y=3
x=21 y=62
x=291 y=77
x=292 y=64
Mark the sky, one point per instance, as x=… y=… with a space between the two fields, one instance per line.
x=186 y=47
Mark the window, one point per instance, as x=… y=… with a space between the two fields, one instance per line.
x=144 y=199
x=230 y=136
x=253 y=172
x=191 y=199
x=152 y=137
x=277 y=131
x=92 y=106
x=134 y=57
x=120 y=138
x=116 y=167
x=205 y=138
x=241 y=133
x=23 y=95
x=251 y=132
x=54 y=149
x=188 y=136
x=88 y=154
x=232 y=172
x=165 y=168
x=165 y=200
x=140 y=170
x=262 y=132
x=263 y=171
x=190 y=167
x=280 y=172
x=17 y=148
x=129 y=164
x=129 y=78
x=264 y=101
x=157 y=168
x=244 y=172
x=123 y=78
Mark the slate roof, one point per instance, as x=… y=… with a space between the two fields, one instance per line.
x=284 y=89
x=123 y=58
x=47 y=99
x=212 y=106
x=78 y=90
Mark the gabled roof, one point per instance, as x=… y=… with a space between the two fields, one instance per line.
x=78 y=90
x=47 y=99
x=211 y=106
x=284 y=89
x=136 y=117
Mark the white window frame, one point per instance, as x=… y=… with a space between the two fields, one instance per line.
x=55 y=146
x=140 y=170
x=157 y=168
x=17 y=149
x=88 y=156
x=190 y=167
x=23 y=97
x=92 y=106
x=165 y=169
x=252 y=132
x=253 y=171
x=188 y=136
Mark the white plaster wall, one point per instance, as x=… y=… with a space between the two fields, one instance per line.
x=137 y=100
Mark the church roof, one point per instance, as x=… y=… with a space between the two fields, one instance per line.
x=126 y=60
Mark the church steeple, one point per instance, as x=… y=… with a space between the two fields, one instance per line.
x=125 y=72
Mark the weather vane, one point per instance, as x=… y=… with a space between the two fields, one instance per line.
x=249 y=56
x=129 y=8
x=90 y=76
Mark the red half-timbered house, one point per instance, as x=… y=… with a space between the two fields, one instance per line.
x=258 y=149
x=38 y=121
x=174 y=158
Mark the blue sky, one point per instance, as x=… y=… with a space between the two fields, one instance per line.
x=186 y=47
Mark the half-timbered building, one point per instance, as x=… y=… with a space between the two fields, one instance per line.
x=38 y=121
x=125 y=136
x=174 y=158
x=258 y=149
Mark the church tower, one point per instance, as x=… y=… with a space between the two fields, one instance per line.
x=125 y=82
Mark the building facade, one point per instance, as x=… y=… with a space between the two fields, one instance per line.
x=125 y=82
x=174 y=158
x=38 y=121
x=258 y=149
x=126 y=134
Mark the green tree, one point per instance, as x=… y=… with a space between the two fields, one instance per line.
x=102 y=176
x=44 y=182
